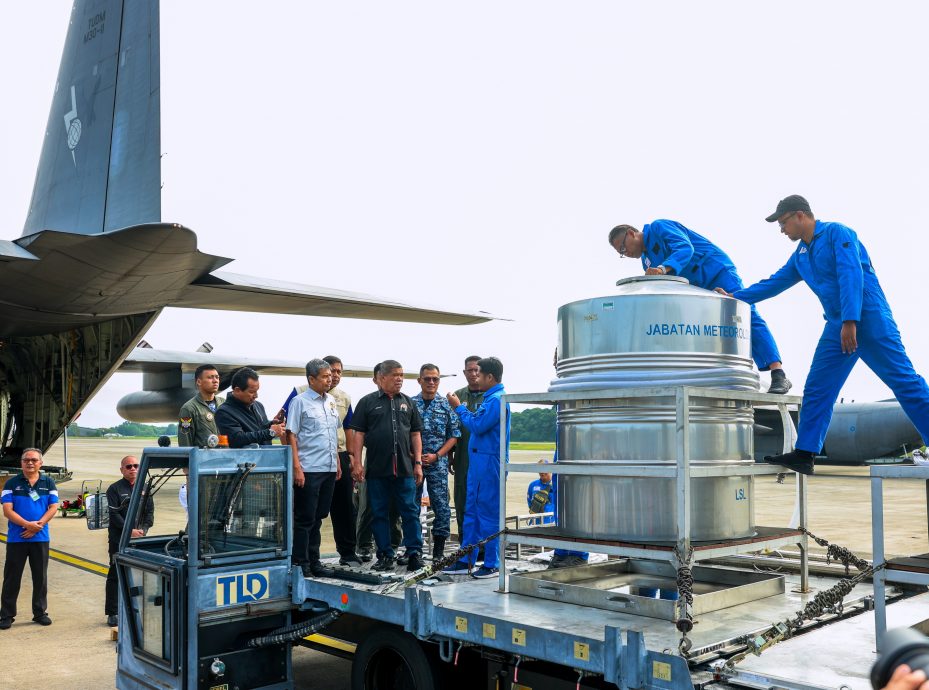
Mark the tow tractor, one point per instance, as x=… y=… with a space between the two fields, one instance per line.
x=78 y=507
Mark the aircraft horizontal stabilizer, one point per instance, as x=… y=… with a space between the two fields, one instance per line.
x=236 y=292
x=10 y=251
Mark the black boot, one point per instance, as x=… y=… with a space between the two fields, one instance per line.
x=780 y=384
x=798 y=460
x=438 y=548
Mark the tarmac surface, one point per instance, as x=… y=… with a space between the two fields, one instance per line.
x=76 y=650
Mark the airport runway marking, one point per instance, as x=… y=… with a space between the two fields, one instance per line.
x=72 y=560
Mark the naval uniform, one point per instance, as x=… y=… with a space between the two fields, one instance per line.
x=837 y=268
x=670 y=244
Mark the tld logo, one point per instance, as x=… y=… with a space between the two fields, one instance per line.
x=241 y=588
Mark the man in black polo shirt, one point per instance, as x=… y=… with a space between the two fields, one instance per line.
x=388 y=425
x=242 y=418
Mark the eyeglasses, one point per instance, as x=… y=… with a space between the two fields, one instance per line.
x=130 y=467
x=31 y=460
x=622 y=246
x=783 y=222
x=430 y=379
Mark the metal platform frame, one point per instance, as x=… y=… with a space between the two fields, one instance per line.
x=683 y=395
x=889 y=574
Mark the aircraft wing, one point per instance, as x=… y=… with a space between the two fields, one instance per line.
x=236 y=292
x=146 y=360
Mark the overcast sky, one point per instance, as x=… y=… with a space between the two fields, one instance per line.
x=475 y=155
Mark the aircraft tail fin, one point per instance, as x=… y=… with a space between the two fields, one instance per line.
x=100 y=167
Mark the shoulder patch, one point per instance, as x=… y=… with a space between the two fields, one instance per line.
x=185 y=422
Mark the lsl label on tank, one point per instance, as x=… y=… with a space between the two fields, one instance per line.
x=709 y=330
x=242 y=588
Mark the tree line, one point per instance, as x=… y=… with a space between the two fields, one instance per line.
x=535 y=424
x=124 y=429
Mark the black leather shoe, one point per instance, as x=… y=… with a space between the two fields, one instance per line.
x=42 y=620
x=112 y=621
x=366 y=556
x=384 y=563
x=780 y=385
x=438 y=548
x=6 y=623
x=414 y=562
x=317 y=569
x=798 y=460
x=404 y=559
x=351 y=559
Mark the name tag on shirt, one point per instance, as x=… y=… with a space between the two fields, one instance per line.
x=33 y=494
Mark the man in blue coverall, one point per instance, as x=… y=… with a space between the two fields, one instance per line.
x=667 y=247
x=482 y=515
x=859 y=324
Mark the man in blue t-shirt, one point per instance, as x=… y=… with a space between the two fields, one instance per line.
x=29 y=501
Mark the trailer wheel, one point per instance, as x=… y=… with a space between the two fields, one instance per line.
x=390 y=659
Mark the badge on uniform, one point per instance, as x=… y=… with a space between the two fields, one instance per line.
x=209 y=416
x=403 y=407
x=33 y=494
x=185 y=422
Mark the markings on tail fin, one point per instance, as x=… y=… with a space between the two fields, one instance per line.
x=73 y=126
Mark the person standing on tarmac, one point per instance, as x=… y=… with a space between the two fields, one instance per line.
x=29 y=502
x=668 y=248
x=483 y=514
x=118 y=495
x=859 y=324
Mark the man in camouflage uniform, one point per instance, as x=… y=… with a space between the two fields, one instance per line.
x=197 y=418
x=472 y=396
x=440 y=434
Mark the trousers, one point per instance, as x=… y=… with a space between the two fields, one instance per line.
x=17 y=553
x=311 y=506
x=402 y=491
x=880 y=347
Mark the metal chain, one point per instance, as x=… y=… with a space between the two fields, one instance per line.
x=837 y=553
x=685 y=589
x=827 y=601
x=437 y=566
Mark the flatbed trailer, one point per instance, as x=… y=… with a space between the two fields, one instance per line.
x=467 y=633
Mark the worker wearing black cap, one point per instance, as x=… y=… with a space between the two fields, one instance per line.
x=666 y=246
x=859 y=324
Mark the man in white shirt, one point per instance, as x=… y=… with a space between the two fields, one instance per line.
x=313 y=422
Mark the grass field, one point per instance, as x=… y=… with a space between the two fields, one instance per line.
x=532 y=445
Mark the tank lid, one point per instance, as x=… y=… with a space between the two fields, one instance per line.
x=642 y=279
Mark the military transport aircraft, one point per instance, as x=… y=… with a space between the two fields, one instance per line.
x=95 y=264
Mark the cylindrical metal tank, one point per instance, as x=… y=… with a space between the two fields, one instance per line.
x=656 y=330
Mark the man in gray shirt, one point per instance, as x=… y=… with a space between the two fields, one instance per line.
x=313 y=422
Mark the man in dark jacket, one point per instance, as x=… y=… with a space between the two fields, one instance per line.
x=242 y=418
x=117 y=498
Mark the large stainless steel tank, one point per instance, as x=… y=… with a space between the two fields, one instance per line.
x=654 y=331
